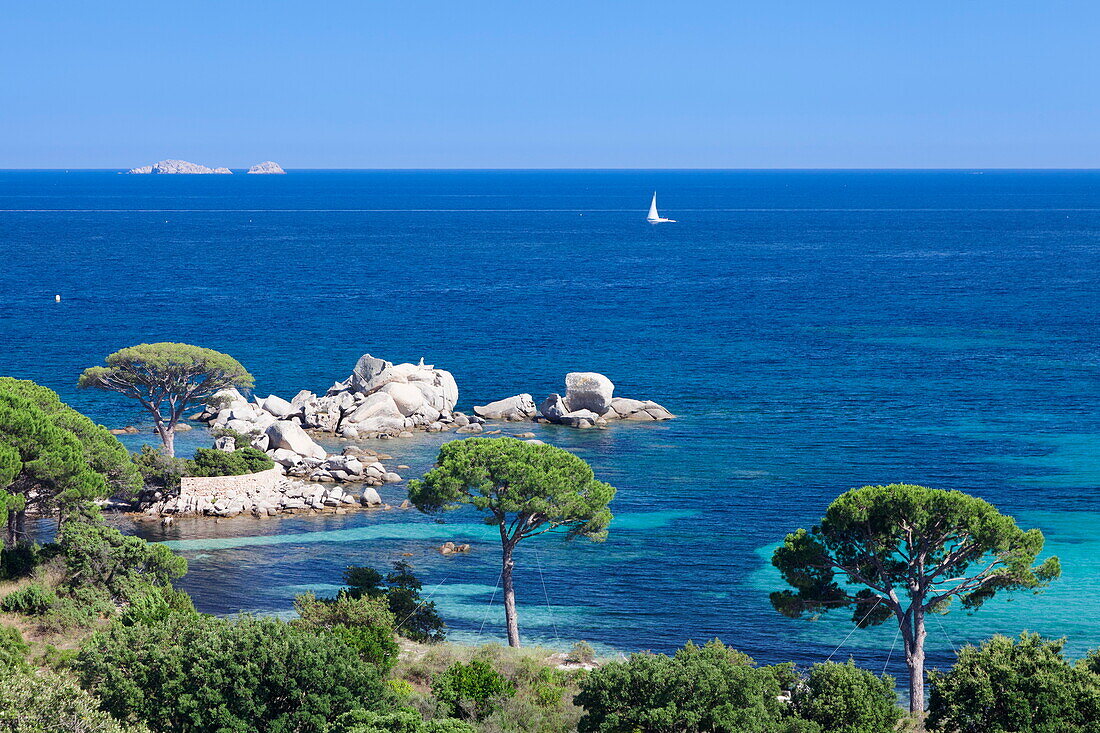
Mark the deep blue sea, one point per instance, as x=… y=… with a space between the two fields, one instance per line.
x=814 y=331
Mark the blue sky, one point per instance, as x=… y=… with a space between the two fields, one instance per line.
x=426 y=84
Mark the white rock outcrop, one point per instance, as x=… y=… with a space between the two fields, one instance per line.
x=589 y=401
x=378 y=399
x=519 y=407
x=178 y=167
x=268 y=167
x=588 y=391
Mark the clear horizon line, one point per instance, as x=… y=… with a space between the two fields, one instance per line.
x=594 y=169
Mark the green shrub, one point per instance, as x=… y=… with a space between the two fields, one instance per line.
x=416 y=617
x=68 y=615
x=19 y=561
x=159 y=470
x=156 y=604
x=471 y=691
x=13 y=650
x=32 y=600
x=58 y=659
x=48 y=702
x=581 y=653
x=1007 y=685
x=365 y=624
x=204 y=674
x=214 y=462
x=708 y=688
x=842 y=698
x=240 y=440
x=254 y=460
x=100 y=557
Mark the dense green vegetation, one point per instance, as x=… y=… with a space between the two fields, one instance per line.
x=524 y=489
x=206 y=674
x=910 y=551
x=166 y=378
x=52 y=458
x=1006 y=685
x=95 y=639
x=416 y=617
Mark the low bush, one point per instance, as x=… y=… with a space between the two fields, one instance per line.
x=159 y=470
x=214 y=462
x=842 y=698
x=209 y=675
x=708 y=688
x=13 y=650
x=1008 y=685
x=398 y=721
x=46 y=701
x=471 y=691
x=416 y=617
x=33 y=600
x=365 y=624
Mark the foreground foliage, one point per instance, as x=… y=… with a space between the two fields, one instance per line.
x=842 y=698
x=416 y=617
x=364 y=623
x=910 y=551
x=1005 y=685
x=52 y=458
x=206 y=674
x=39 y=702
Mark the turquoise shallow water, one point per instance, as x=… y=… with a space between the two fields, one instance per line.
x=813 y=330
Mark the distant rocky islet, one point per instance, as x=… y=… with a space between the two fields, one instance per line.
x=183 y=167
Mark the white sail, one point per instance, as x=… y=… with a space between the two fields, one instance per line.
x=653 y=215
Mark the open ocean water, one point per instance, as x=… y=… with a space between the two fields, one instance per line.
x=814 y=331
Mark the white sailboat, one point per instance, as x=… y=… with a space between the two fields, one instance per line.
x=654 y=217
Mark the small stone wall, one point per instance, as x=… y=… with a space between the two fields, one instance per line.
x=216 y=487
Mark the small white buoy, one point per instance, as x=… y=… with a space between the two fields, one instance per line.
x=57 y=298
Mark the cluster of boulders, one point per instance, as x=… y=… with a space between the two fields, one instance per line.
x=377 y=400
x=589 y=401
x=286 y=496
x=275 y=427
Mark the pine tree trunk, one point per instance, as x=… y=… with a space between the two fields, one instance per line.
x=509 y=595
x=914 y=636
x=168 y=437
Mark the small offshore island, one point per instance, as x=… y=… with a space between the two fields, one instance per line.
x=183 y=167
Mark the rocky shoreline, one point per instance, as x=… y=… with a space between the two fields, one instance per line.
x=378 y=400
x=265 y=499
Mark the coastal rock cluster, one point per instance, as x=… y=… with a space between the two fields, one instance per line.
x=268 y=167
x=178 y=167
x=283 y=497
x=378 y=400
x=589 y=402
x=275 y=426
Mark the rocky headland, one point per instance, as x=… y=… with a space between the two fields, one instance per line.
x=589 y=402
x=268 y=167
x=178 y=167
